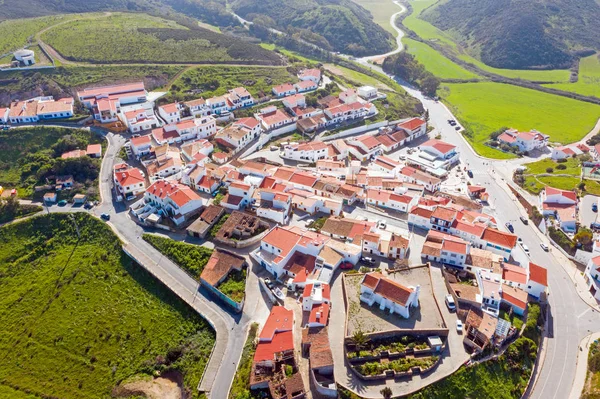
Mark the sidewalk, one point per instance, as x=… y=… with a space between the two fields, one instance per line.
x=581 y=373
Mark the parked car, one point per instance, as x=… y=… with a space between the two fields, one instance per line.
x=595 y=226
x=470 y=173
x=524 y=220
x=459 y=326
x=450 y=303
x=381 y=224
x=519 y=240
x=105 y=216
x=457 y=128
x=595 y=207
x=88 y=205
x=544 y=247
x=510 y=227
x=269 y=283
x=525 y=248
x=62 y=202
x=368 y=259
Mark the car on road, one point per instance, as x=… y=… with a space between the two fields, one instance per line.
x=525 y=248
x=519 y=240
x=269 y=283
x=459 y=326
x=381 y=224
x=88 y=205
x=368 y=260
x=595 y=226
x=595 y=207
x=105 y=216
x=524 y=220
x=457 y=128
x=450 y=303
x=62 y=202
x=510 y=227
x=470 y=173
x=544 y=247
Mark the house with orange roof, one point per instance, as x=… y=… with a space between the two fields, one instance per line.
x=219 y=266
x=516 y=298
x=202 y=179
x=293 y=101
x=564 y=152
x=174 y=200
x=414 y=128
x=94 y=150
x=140 y=119
x=274 y=205
x=561 y=204
x=141 y=145
x=197 y=107
x=538 y=280
x=427 y=180
x=388 y=294
x=525 y=141
x=128 y=181
x=385 y=244
x=390 y=200
x=193 y=149
x=311 y=74
x=305 y=85
x=167 y=163
x=219 y=105
x=349 y=111
x=171 y=113
x=316 y=301
x=275 y=118
x=239 y=196
x=286 y=89
x=40 y=108
x=240 y=97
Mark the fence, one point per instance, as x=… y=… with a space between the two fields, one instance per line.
x=235 y=306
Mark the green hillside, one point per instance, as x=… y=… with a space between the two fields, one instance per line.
x=588 y=83
x=520 y=34
x=134 y=37
x=79 y=316
x=339 y=25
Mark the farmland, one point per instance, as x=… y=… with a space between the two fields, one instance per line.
x=134 y=38
x=60 y=339
x=381 y=10
x=208 y=81
x=589 y=78
x=485 y=107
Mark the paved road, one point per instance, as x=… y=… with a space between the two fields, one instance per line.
x=230 y=329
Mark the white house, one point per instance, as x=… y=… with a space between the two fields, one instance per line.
x=562 y=205
x=348 y=96
x=563 y=152
x=274 y=205
x=105 y=102
x=173 y=199
x=239 y=196
x=312 y=74
x=140 y=145
x=171 y=113
x=414 y=128
x=140 y=119
x=305 y=85
x=306 y=152
x=198 y=107
x=274 y=119
x=525 y=141
x=197 y=151
x=538 y=280
x=390 y=200
x=240 y=133
x=412 y=175
x=4 y=115
x=240 y=98
x=128 y=181
x=592 y=277
x=284 y=90
x=25 y=56
x=367 y=92
x=293 y=101
x=40 y=108
x=389 y=294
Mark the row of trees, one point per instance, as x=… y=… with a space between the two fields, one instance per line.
x=406 y=67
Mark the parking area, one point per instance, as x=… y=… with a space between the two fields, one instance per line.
x=372 y=319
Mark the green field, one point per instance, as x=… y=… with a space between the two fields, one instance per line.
x=382 y=10
x=192 y=258
x=424 y=29
x=556 y=75
x=30 y=156
x=588 y=83
x=435 y=62
x=133 y=38
x=14 y=33
x=356 y=78
x=485 y=107
x=215 y=81
x=78 y=316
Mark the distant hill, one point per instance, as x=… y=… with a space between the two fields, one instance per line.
x=339 y=25
x=521 y=34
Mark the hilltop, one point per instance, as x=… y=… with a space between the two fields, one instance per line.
x=520 y=34
x=339 y=25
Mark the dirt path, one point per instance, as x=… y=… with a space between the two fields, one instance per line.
x=152 y=388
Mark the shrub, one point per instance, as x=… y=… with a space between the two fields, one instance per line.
x=561 y=167
x=549 y=170
x=190 y=257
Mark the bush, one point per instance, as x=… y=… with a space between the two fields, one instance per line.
x=549 y=170
x=561 y=167
x=190 y=257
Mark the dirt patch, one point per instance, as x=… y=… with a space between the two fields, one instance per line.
x=168 y=386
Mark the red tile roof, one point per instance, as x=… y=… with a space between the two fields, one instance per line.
x=319 y=314
x=567 y=194
x=514 y=273
x=94 y=149
x=412 y=124
x=439 y=145
x=538 y=274
x=280 y=319
x=506 y=240
x=129 y=177
x=455 y=247
x=281 y=342
x=326 y=290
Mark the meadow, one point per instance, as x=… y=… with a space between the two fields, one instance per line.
x=79 y=316
x=485 y=107
x=588 y=83
x=133 y=38
x=435 y=62
x=381 y=10
x=192 y=258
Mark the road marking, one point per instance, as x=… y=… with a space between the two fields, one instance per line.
x=584 y=312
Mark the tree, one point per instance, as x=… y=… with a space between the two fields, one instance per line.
x=426 y=115
x=429 y=85
x=584 y=236
x=386 y=393
x=360 y=340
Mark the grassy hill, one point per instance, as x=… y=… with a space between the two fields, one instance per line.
x=79 y=317
x=133 y=37
x=339 y=25
x=520 y=34
x=589 y=78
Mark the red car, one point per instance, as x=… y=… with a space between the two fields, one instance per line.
x=346 y=266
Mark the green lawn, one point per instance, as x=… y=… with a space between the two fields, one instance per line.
x=435 y=62
x=555 y=75
x=234 y=286
x=79 y=316
x=485 y=107
x=381 y=10
x=143 y=38
x=588 y=83
x=356 y=78
x=215 y=81
x=573 y=167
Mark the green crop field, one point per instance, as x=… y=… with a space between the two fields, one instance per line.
x=588 y=83
x=15 y=33
x=381 y=10
x=485 y=107
x=79 y=316
x=208 y=81
x=135 y=38
x=435 y=62
x=555 y=75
